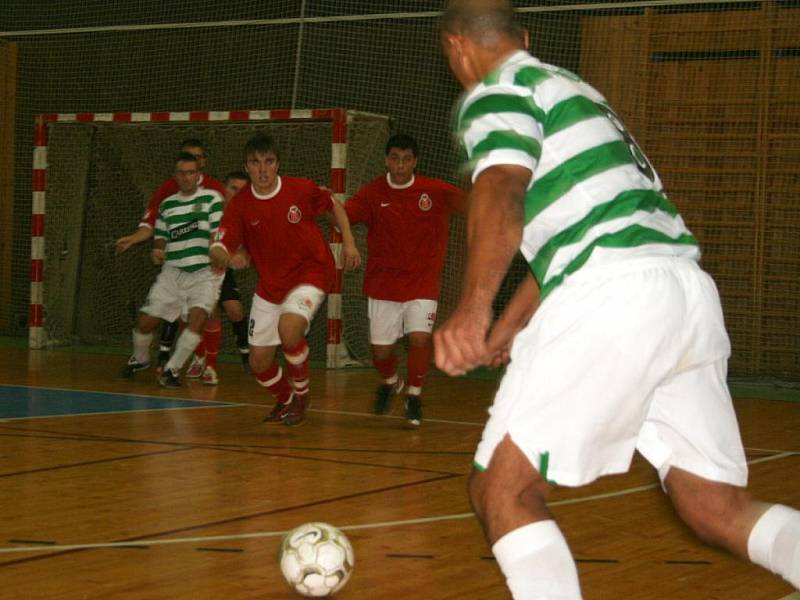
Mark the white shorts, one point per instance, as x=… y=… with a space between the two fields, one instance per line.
x=304 y=300
x=391 y=320
x=627 y=356
x=175 y=292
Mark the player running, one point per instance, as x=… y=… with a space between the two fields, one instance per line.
x=408 y=221
x=144 y=232
x=273 y=218
x=184 y=226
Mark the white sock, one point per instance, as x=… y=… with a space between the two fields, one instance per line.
x=537 y=563
x=141 y=346
x=187 y=342
x=774 y=542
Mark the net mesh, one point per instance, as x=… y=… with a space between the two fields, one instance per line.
x=99 y=181
x=710 y=90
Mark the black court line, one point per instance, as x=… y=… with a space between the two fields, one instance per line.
x=42 y=542
x=427 y=556
x=82 y=436
x=688 y=562
x=237 y=519
x=220 y=549
x=92 y=462
x=597 y=560
x=191 y=445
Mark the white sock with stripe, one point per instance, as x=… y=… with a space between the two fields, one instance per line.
x=774 y=542
x=537 y=563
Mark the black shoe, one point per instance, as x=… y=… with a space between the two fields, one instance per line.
x=414 y=410
x=169 y=379
x=278 y=411
x=133 y=366
x=244 y=354
x=383 y=396
x=296 y=411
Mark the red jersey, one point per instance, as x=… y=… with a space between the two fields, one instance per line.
x=284 y=242
x=407 y=235
x=170 y=188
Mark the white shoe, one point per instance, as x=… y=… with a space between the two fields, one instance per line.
x=195 y=370
x=210 y=376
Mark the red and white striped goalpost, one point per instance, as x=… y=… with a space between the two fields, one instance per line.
x=339 y=119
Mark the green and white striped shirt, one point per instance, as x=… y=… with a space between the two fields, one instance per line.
x=188 y=223
x=593 y=197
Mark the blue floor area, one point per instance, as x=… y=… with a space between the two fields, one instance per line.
x=20 y=402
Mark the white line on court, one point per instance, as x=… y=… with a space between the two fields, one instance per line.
x=117 y=412
x=268 y=534
x=795 y=596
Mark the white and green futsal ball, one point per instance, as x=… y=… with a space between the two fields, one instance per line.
x=316 y=559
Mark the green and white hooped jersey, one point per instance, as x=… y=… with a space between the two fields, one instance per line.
x=188 y=223
x=594 y=197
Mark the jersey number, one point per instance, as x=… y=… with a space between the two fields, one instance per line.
x=636 y=153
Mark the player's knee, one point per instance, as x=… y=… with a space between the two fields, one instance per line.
x=234 y=311
x=715 y=515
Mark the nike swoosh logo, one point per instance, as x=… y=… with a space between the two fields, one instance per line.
x=254 y=223
x=385 y=204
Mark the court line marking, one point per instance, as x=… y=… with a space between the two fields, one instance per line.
x=794 y=596
x=149 y=396
x=117 y=412
x=404 y=522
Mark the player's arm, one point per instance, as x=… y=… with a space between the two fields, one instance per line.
x=515 y=316
x=148 y=222
x=227 y=240
x=494 y=231
x=159 y=252
x=140 y=235
x=350 y=253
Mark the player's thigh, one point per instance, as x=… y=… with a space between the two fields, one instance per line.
x=233 y=310
x=229 y=292
x=263 y=327
x=200 y=289
x=419 y=315
x=582 y=373
x=164 y=299
x=385 y=321
x=304 y=302
x=692 y=425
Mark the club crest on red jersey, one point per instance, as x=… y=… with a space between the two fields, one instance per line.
x=425 y=202
x=294 y=215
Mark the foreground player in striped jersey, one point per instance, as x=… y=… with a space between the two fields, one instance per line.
x=274 y=219
x=144 y=232
x=185 y=223
x=627 y=350
x=408 y=219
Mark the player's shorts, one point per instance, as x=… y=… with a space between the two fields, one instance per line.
x=622 y=357
x=304 y=300
x=230 y=289
x=391 y=320
x=175 y=292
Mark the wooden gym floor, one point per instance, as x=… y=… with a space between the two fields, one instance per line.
x=114 y=489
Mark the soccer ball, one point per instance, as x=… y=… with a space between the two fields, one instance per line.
x=316 y=559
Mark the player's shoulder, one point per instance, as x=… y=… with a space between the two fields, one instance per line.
x=167 y=187
x=213 y=184
x=432 y=183
x=297 y=183
x=377 y=184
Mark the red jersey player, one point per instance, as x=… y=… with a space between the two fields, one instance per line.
x=144 y=232
x=273 y=218
x=408 y=220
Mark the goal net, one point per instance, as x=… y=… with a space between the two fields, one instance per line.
x=100 y=174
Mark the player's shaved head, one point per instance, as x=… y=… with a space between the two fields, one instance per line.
x=487 y=22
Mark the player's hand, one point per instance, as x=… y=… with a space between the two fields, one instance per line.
x=218 y=259
x=460 y=344
x=351 y=256
x=499 y=344
x=124 y=243
x=240 y=260
x=158 y=256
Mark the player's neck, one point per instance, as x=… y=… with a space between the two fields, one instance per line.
x=400 y=186
x=267 y=194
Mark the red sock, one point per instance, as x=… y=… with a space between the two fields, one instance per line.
x=275 y=381
x=211 y=339
x=297 y=366
x=387 y=367
x=419 y=360
x=200 y=351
